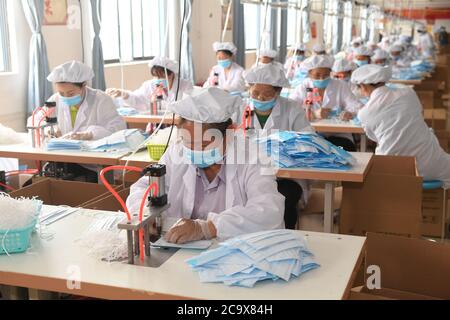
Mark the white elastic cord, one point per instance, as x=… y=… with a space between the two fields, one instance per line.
x=264 y=31
x=222 y=38
x=3 y=243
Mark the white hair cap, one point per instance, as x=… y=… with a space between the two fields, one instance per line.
x=380 y=54
x=300 y=47
x=218 y=46
x=268 y=53
x=72 y=72
x=314 y=62
x=164 y=62
x=319 y=47
x=343 y=65
x=396 y=48
x=267 y=74
x=371 y=74
x=206 y=105
x=356 y=40
x=363 y=51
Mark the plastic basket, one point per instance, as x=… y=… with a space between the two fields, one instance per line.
x=17 y=240
x=156 y=151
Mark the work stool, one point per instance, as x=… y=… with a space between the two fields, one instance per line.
x=434 y=206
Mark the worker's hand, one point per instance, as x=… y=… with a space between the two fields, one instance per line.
x=322 y=113
x=79 y=136
x=186 y=230
x=117 y=93
x=346 y=116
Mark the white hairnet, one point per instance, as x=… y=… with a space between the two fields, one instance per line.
x=396 y=48
x=217 y=46
x=363 y=51
x=267 y=74
x=206 y=105
x=314 y=62
x=421 y=28
x=72 y=72
x=319 y=47
x=300 y=47
x=371 y=74
x=356 y=40
x=165 y=63
x=268 y=53
x=380 y=54
x=343 y=65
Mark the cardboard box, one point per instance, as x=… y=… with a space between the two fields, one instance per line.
x=426 y=98
x=60 y=192
x=107 y=201
x=388 y=201
x=432 y=212
x=410 y=269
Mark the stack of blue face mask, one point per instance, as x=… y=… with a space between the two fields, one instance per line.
x=245 y=260
x=63 y=144
x=422 y=66
x=406 y=74
x=290 y=149
x=126 y=111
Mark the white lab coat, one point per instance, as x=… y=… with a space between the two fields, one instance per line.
x=275 y=63
x=252 y=200
x=291 y=67
x=140 y=98
x=337 y=93
x=287 y=115
x=426 y=45
x=233 y=82
x=393 y=118
x=97 y=114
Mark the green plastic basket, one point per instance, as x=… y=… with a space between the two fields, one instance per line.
x=156 y=151
x=15 y=241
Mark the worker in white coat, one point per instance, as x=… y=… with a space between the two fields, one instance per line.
x=398 y=57
x=83 y=113
x=393 y=119
x=212 y=191
x=267 y=57
x=426 y=44
x=327 y=94
x=354 y=44
x=342 y=70
x=227 y=74
x=270 y=111
x=292 y=66
x=381 y=58
x=362 y=56
x=165 y=83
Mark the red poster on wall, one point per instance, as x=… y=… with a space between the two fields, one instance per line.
x=313 y=30
x=353 y=31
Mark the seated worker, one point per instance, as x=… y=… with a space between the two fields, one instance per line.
x=362 y=56
x=213 y=194
x=342 y=70
x=397 y=56
x=165 y=82
x=272 y=112
x=393 y=119
x=226 y=75
x=330 y=93
x=267 y=57
x=354 y=44
x=293 y=63
x=319 y=49
x=381 y=58
x=373 y=46
x=83 y=113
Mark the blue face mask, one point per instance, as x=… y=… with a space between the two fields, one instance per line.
x=160 y=82
x=321 y=84
x=364 y=100
x=300 y=58
x=202 y=159
x=264 y=105
x=71 y=101
x=224 y=63
x=361 y=62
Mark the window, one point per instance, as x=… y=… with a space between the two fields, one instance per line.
x=132 y=29
x=327 y=23
x=298 y=25
x=347 y=28
x=5 y=54
x=253 y=25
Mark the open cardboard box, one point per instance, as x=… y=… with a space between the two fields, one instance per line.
x=107 y=201
x=61 y=192
x=388 y=201
x=410 y=269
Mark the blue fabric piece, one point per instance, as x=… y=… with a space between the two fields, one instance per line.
x=127 y=111
x=245 y=260
x=431 y=184
x=305 y=150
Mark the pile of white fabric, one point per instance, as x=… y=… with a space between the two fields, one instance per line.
x=9 y=136
x=18 y=213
